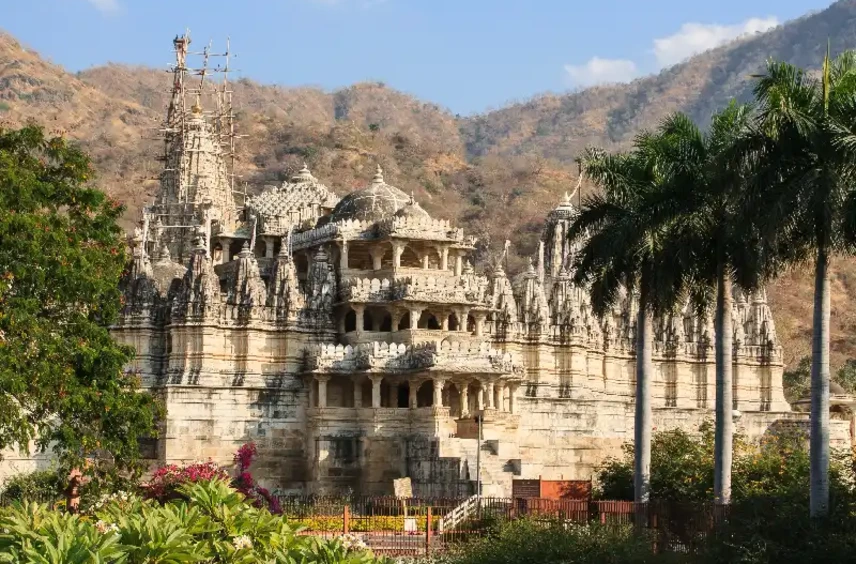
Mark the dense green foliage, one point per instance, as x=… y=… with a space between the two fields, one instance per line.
x=554 y=543
x=682 y=469
x=211 y=523
x=797 y=381
x=63 y=383
x=41 y=485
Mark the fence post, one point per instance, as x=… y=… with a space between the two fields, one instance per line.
x=346 y=519
x=428 y=531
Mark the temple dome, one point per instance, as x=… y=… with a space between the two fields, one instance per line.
x=373 y=203
x=412 y=209
x=566 y=209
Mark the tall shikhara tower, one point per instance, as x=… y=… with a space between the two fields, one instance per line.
x=197 y=182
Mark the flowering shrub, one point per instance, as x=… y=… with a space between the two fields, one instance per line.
x=166 y=480
x=245 y=483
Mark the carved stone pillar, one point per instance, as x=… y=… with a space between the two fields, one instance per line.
x=376 y=381
x=444 y=321
x=463 y=315
x=512 y=402
x=479 y=324
x=415 y=314
x=480 y=397
x=395 y=316
x=358 y=391
x=444 y=258
x=360 y=310
x=322 y=390
x=489 y=392
x=377 y=253
x=269 y=244
x=425 y=258
x=413 y=401
x=392 y=397
x=397 y=250
x=499 y=394
x=438 y=393
x=459 y=264
x=343 y=255
x=226 y=256
x=463 y=391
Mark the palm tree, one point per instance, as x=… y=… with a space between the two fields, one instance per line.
x=622 y=247
x=803 y=197
x=703 y=191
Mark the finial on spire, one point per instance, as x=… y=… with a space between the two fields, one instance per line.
x=378 y=177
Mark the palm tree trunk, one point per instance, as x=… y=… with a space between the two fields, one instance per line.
x=819 y=505
x=724 y=434
x=643 y=419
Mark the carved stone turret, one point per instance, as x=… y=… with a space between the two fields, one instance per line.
x=320 y=290
x=531 y=302
x=246 y=289
x=284 y=295
x=503 y=304
x=198 y=297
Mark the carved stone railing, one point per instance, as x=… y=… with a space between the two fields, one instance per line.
x=420 y=228
x=447 y=356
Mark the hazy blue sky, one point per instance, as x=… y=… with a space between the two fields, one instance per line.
x=467 y=55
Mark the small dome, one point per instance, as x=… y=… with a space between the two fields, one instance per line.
x=565 y=209
x=412 y=209
x=373 y=203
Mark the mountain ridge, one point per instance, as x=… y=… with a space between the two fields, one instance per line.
x=497 y=174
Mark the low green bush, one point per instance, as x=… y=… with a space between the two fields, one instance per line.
x=44 y=486
x=533 y=542
x=211 y=522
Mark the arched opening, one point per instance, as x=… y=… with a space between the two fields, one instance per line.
x=218 y=253
x=471 y=324
x=425 y=394
x=403 y=395
x=404 y=323
x=452 y=398
x=410 y=259
x=301 y=264
x=453 y=322
x=428 y=321
x=260 y=248
x=386 y=322
x=367 y=321
x=473 y=396
x=234 y=248
x=350 y=321
x=340 y=392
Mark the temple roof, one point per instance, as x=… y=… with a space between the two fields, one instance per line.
x=302 y=190
x=373 y=203
x=412 y=209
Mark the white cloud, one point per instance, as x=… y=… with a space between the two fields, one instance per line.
x=600 y=71
x=693 y=38
x=106 y=6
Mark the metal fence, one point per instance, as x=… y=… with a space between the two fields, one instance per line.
x=395 y=527
x=412 y=527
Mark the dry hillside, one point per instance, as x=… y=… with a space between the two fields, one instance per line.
x=496 y=174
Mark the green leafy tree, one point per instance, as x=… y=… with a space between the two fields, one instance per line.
x=803 y=200
x=796 y=382
x=703 y=188
x=624 y=235
x=63 y=383
x=777 y=468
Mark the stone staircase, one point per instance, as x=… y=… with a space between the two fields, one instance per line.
x=500 y=462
